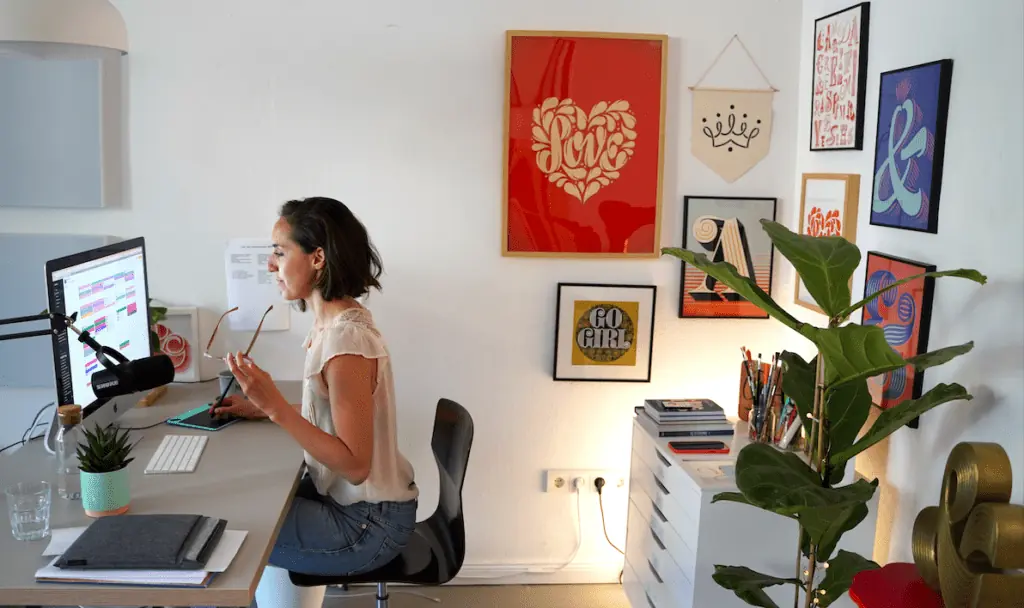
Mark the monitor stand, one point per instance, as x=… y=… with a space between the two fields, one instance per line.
x=99 y=413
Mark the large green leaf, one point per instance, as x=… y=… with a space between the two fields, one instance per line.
x=783 y=483
x=749 y=585
x=853 y=352
x=798 y=385
x=938 y=357
x=828 y=526
x=890 y=420
x=731 y=497
x=825 y=264
x=962 y=273
x=727 y=274
x=847 y=407
x=839 y=576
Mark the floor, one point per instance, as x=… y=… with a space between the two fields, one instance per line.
x=497 y=596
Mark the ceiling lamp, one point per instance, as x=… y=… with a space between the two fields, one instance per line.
x=61 y=29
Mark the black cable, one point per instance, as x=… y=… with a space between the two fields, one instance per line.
x=599 y=484
x=141 y=428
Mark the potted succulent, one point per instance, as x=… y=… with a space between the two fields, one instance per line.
x=103 y=460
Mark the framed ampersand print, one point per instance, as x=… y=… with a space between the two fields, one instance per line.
x=828 y=207
x=584 y=144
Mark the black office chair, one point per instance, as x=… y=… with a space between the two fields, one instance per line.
x=437 y=548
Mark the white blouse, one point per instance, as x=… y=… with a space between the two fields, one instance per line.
x=391 y=475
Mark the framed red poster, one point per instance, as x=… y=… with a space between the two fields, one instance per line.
x=905 y=314
x=584 y=144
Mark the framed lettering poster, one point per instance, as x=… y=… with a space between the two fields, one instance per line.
x=910 y=145
x=725 y=229
x=839 y=79
x=828 y=207
x=904 y=313
x=584 y=144
x=604 y=332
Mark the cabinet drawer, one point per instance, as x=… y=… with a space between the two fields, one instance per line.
x=661 y=575
x=662 y=531
x=673 y=476
x=682 y=519
x=633 y=588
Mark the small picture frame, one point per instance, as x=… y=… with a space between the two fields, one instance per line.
x=905 y=312
x=178 y=338
x=725 y=229
x=604 y=333
x=828 y=207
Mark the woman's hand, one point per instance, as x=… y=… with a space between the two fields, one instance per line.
x=235 y=405
x=257 y=385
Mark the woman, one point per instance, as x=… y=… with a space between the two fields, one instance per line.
x=356 y=508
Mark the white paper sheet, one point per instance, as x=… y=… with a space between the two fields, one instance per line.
x=252 y=288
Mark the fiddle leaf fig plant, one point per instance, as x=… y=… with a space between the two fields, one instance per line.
x=832 y=397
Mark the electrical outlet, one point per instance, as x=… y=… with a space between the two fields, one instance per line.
x=560 y=480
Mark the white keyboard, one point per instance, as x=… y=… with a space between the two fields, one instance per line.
x=177 y=454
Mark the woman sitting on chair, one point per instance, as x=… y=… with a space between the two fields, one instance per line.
x=356 y=508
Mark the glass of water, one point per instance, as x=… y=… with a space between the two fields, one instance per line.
x=28 y=504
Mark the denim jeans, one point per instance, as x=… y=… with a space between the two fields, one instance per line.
x=321 y=537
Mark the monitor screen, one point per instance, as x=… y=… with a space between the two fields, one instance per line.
x=107 y=288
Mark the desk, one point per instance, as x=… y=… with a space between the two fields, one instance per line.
x=247 y=475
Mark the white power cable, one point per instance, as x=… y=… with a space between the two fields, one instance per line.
x=572 y=558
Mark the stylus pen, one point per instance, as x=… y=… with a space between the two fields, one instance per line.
x=227 y=388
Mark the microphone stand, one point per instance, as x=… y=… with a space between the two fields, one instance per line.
x=104 y=354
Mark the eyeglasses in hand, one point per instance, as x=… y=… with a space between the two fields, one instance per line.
x=213 y=336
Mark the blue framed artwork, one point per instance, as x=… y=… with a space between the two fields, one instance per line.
x=913 y=104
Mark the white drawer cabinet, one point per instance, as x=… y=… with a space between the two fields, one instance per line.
x=675 y=536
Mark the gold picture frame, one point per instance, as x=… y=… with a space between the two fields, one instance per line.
x=833 y=211
x=545 y=221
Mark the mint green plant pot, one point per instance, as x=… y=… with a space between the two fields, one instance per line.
x=106 y=493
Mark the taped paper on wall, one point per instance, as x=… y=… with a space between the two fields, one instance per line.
x=252 y=287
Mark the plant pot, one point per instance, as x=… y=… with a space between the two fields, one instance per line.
x=106 y=493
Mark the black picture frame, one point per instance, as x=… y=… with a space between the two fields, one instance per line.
x=862 y=77
x=925 y=317
x=945 y=84
x=567 y=294
x=685 y=269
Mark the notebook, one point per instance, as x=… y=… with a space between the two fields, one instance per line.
x=221 y=557
x=144 y=542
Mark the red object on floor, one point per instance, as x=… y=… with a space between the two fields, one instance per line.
x=893 y=586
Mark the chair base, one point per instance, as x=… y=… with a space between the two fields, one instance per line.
x=383 y=595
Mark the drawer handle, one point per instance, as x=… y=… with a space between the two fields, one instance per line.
x=657 y=540
x=663 y=460
x=658 y=512
x=661 y=486
x=654 y=572
x=650 y=602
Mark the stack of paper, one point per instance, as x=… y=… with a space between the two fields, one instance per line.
x=61 y=539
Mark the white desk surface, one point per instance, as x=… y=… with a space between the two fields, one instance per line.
x=246 y=475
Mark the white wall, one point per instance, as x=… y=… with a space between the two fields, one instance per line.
x=396 y=109
x=981 y=221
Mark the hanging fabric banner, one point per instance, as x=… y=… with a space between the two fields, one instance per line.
x=732 y=128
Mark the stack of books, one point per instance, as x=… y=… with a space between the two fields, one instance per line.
x=693 y=427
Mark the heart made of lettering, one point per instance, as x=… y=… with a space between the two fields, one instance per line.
x=580 y=152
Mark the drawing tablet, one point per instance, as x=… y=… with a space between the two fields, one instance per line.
x=200 y=418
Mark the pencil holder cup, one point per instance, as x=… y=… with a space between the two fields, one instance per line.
x=223 y=378
x=106 y=493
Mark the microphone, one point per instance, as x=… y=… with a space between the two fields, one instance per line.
x=133 y=376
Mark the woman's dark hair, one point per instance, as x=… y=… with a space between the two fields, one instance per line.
x=351 y=263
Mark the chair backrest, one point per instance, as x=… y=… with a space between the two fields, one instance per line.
x=451 y=443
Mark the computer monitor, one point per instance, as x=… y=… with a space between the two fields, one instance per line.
x=108 y=288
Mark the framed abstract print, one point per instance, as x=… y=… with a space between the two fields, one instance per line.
x=913 y=105
x=584 y=144
x=178 y=336
x=726 y=229
x=604 y=332
x=828 y=207
x=839 y=79
x=904 y=313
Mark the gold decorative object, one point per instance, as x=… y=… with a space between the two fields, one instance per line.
x=969 y=546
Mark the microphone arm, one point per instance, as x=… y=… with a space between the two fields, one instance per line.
x=104 y=354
